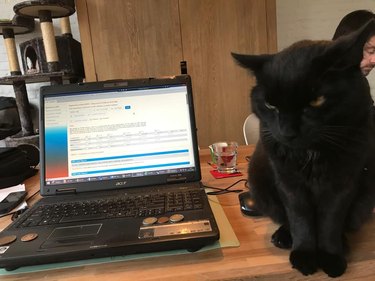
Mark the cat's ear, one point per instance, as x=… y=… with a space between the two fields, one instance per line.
x=252 y=62
x=347 y=51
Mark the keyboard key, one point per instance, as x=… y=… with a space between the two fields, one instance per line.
x=82 y=218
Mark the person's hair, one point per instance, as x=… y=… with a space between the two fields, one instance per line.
x=352 y=22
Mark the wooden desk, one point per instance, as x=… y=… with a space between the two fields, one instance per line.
x=255 y=259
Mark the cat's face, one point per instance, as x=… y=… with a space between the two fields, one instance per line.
x=309 y=94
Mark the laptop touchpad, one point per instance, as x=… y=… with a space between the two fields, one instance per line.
x=72 y=235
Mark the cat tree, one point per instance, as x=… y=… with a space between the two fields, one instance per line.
x=50 y=58
x=45 y=11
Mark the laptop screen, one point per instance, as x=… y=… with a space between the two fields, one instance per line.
x=117 y=133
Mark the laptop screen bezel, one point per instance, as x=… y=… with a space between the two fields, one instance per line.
x=78 y=187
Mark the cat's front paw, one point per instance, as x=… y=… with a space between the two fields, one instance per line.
x=333 y=265
x=304 y=261
x=282 y=238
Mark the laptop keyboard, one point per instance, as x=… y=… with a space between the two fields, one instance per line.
x=129 y=206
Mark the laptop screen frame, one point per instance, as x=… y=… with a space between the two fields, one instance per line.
x=117 y=183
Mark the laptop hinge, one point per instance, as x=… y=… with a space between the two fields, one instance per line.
x=176 y=179
x=66 y=190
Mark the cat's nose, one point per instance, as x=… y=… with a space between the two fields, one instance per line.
x=288 y=129
x=286 y=135
x=289 y=136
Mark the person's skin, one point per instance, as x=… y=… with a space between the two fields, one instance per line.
x=368 y=61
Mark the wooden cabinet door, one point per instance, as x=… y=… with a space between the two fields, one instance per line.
x=145 y=38
x=211 y=30
x=129 y=38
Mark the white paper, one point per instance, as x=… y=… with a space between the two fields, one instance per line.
x=6 y=191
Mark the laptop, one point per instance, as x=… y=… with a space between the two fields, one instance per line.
x=119 y=175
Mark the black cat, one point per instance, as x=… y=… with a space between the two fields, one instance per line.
x=313 y=170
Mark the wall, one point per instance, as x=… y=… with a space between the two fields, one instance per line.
x=316 y=20
x=6 y=12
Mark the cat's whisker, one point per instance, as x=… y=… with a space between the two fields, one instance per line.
x=342 y=129
x=267 y=136
x=333 y=141
x=310 y=158
x=344 y=136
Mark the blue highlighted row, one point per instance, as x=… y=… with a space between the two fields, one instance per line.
x=130 y=156
x=131 y=168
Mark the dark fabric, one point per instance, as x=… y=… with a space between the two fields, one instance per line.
x=9 y=118
x=14 y=167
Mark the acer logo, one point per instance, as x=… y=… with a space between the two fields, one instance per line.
x=120 y=183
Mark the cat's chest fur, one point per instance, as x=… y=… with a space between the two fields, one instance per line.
x=315 y=172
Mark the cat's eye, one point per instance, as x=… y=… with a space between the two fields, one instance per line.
x=270 y=106
x=319 y=101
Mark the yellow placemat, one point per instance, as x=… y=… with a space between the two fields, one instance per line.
x=227 y=239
